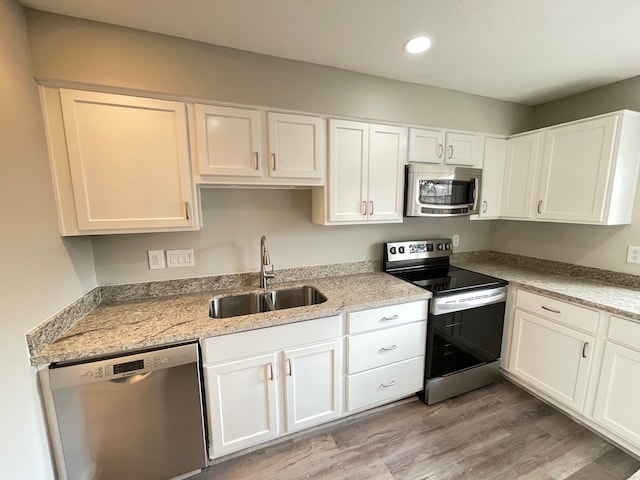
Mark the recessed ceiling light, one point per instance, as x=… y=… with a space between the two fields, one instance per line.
x=417 y=45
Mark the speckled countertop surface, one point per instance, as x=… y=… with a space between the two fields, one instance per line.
x=622 y=301
x=135 y=324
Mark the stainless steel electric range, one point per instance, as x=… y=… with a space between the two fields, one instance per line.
x=466 y=317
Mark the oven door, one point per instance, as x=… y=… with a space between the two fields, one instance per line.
x=463 y=339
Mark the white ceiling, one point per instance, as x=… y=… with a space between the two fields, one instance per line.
x=526 y=51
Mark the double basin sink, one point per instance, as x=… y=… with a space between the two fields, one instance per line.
x=245 y=304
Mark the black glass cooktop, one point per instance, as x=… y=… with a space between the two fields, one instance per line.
x=450 y=280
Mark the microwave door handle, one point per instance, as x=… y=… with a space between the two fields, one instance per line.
x=475 y=193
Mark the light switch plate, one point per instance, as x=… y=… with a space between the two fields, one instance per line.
x=180 y=258
x=156 y=259
x=633 y=254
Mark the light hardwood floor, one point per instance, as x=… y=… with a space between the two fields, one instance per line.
x=497 y=432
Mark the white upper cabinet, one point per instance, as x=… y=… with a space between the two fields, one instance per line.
x=295 y=146
x=366 y=174
x=229 y=141
x=441 y=147
x=579 y=172
x=120 y=164
x=519 y=175
x=495 y=153
x=580 y=164
x=232 y=148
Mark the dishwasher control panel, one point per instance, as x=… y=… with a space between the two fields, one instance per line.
x=67 y=374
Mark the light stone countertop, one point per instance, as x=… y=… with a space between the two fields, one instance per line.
x=621 y=301
x=134 y=324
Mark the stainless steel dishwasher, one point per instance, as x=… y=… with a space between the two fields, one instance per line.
x=137 y=416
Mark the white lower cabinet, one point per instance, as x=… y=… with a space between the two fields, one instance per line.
x=552 y=357
x=312 y=378
x=242 y=403
x=584 y=361
x=616 y=406
x=386 y=349
x=264 y=383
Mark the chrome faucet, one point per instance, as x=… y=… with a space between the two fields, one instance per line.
x=265 y=261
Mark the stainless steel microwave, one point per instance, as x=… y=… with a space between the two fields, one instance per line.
x=441 y=190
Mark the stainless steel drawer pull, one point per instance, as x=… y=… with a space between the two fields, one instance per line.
x=387 y=385
x=371 y=209
x=440 y=150
x=187 y=210
x=551 y=310
x=540 y=206
x=387 y=349
x=270 y=372
x=274 y=161
x=484 y=206
x=364 y=208
x=289 y=368
x=257 y=160
x=392 y=317
x=453 y=324
x=450 y=152
x=584 y=349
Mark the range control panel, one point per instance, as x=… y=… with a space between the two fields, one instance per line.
x=418 y=249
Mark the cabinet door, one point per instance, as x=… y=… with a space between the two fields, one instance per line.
x=387 y=157
x=519 y=175
x=575 y=170
x=241 y=400
x=618 y=392
x=426 y=146
x=551 y=357
x=295 y=146
x=462 y=149
x=229 y=141
x=495 y=152
x=313 y=384
x=348 y=170
x=129 y=161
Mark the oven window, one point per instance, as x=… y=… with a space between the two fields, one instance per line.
x=459 y=340
x=445 y=192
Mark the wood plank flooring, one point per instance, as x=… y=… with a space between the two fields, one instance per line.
x=499 y=432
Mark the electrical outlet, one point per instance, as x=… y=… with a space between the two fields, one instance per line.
x=456 y=240
x=180 y=258
x=156 y=259
x=633 y=254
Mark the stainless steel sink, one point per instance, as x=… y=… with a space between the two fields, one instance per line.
x=295 y=297
x=235 y=305
x=245 y=304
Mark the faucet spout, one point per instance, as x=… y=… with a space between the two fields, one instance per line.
x=265 y=261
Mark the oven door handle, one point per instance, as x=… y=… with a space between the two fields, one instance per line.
x=440 y=305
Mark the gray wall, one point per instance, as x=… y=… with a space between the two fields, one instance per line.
x=593 y=246
x=41 y=273
x=72 y=50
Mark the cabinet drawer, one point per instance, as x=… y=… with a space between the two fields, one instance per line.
x=383 y=384
x=252 y=342
x=382 y=347
x=568 y=314
x=625 y=332
x=385 y=317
